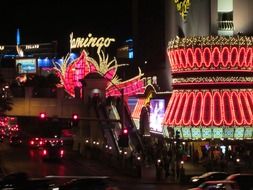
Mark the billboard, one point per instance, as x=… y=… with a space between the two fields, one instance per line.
x=157 y=110
x=26 y=65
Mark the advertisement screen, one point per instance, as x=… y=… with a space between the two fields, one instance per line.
x=156 y=115
x=26 y=65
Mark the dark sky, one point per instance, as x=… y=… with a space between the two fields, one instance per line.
x=47 y=20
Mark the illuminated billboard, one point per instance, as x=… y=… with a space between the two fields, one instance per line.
x=28 y=65
x=156 y=115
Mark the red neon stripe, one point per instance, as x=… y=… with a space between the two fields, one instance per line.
x=241 y=57
x=178 y=116
x=198 y=57
x=216 y=57
x=225 y=57
x=227 y=109
x=168 y=109
x=217 y=109
x=179 y=63
x=248 y=58
x=207 y=57
x=245 y=108
x=196 y=118
x=188 y=109
x=190 y=58
x=250 y=100
x=207 y=109
x=173 y=109
x=234 y=56
x=183 y=58
x=237 y=109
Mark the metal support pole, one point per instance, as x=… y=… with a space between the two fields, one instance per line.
x=122 y=108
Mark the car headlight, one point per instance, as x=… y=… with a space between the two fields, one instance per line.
x=195 y=180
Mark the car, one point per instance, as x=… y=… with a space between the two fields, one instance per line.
x=208 y=176
x=217 y=185
x=21 y=180
x=36 y=142
x=85 y=182
x=52 y=150
x=15 y=140
x=244 y=180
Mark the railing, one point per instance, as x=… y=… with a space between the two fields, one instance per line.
x=226 y=25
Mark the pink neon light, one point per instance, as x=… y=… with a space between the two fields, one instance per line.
x=198 y=57
x=229 y=106
x=189 y=58
x=210 y=108
x=248 y=58
x=196 y=117
x=179 y=112
x=241 y=57
x=216 y=58
x=227 y=109
x=207 y=57
x=207 y=109
x=173 y=108
x=234 y=56
x=237 y=109
x=188 y=109
x=245 y=108
x=137 y=109
x=225 y=57
x=217 y=106
x=167 y=111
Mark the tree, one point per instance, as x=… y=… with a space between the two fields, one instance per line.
x=5 y=100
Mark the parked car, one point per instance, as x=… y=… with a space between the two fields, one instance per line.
x=52 y=149
x=88 y=182
x=244 y=180
x=36 y=142
x=209 y=176
x=15 y=140
x=21 y=180
x=217 y=185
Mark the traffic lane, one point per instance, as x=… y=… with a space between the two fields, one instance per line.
x=21 y=158
x=16 y=159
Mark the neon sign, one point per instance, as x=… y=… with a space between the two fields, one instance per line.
x=212 y=87
x=182 y=7
x=90 y=41
x=34 y=46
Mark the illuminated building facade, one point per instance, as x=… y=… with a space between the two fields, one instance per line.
x=212 y=82
x=212 y=72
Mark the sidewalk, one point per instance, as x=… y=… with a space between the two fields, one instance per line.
x=148 y=172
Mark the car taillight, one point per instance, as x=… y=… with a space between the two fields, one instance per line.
x=44 y=152
x=31 y=142
x=61 y=152
x=41 y=142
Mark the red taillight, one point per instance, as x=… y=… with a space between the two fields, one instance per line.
x=44 y=152
x=31 y=142
x=41 y=142
x=61 y=152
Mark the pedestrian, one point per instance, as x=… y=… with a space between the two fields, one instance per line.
x=145 y=120
x=145 y=129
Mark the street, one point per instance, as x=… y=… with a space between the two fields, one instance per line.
x=23 y=159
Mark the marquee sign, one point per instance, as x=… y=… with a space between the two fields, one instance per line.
x=90 y=41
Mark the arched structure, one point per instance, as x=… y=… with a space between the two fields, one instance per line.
x=212 y=87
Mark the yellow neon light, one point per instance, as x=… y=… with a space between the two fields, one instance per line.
x=90 y=41
x=182 y=7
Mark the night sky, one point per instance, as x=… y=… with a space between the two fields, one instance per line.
x=43 y=21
